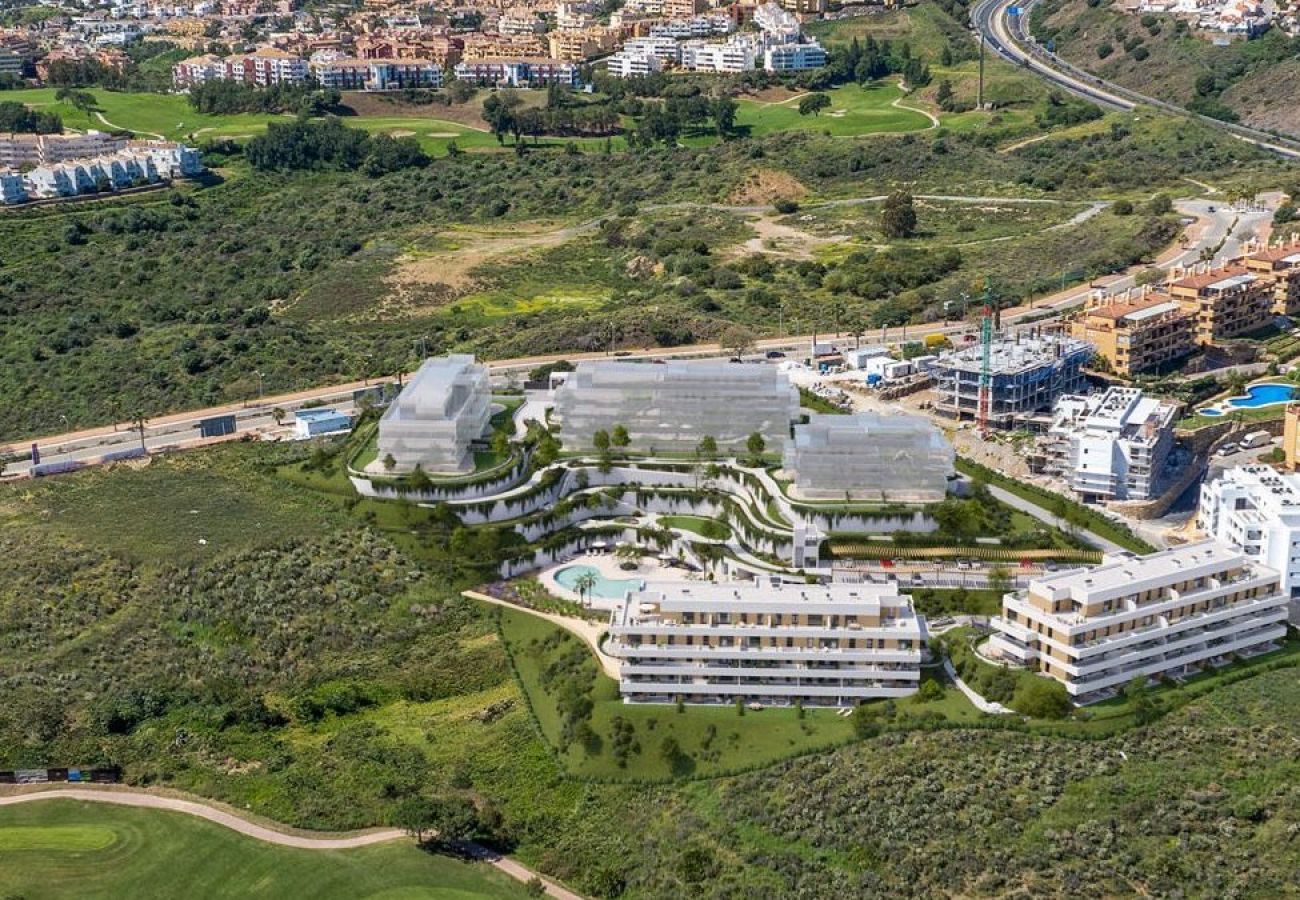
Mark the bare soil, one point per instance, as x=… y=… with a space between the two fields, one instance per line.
x=767 y=186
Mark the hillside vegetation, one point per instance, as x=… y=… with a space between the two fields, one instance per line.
x=1256 y=82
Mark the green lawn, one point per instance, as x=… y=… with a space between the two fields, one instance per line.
x=68 y=848
x=715 y=739
x=704 y=527
x=854 y=110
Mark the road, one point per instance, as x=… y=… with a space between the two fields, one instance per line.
x=300 y=840
x=1007 y=37
x=1218 y=227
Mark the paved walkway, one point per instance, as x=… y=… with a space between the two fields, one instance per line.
x=987 y=706
x=301 y=840
x=1015 y=501
x=589 y=632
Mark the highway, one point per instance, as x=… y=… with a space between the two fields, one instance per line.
x=1007 y=36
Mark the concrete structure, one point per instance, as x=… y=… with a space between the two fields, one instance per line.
x=1113 y=445
x=443 y=409
x=766 y=642
x=1029 y=373
x=673 y=405
x=739 y=53
x=869 y=456
x=308 y=423
x=1257 y=510
x=1136 y=335
x=1167 y=613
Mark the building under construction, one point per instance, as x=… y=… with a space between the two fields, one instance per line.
x=1026 y=373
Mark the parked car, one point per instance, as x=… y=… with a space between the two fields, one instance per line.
x=774 y=354
x=1226 y=450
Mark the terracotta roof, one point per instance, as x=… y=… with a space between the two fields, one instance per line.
x=1205 y=279
x=1121 y=309
x=1274 y=254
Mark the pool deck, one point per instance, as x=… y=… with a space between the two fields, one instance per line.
x=607 y=565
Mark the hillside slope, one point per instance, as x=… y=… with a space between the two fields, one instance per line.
x=1254 y=82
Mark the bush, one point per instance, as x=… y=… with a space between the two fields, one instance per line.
x=1041 y=698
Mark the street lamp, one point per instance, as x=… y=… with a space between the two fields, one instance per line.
x=261 y=384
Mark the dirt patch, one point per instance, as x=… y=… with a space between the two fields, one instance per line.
x=384 y=106
x=776 y=94
x=778 y=238
x=401 y=133
x=767 y=186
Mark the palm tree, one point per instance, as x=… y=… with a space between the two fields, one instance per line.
x=585 y=584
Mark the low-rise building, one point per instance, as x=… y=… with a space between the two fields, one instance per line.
x=18 y=150
x=1027 y=374
x=1139 y=617
x=1257 y=510
x=766 y=642
x=518 y=72
x=674 y=405
x=739 y=53
x=1113 y=445
x=443 y=409
x=348 y=74
x=794 y=57
x=309 y=423
x=1136 y=336
x=626 y=64
x=138 y=163
x=264 y=67
x=869 y=456
x=1281 y=263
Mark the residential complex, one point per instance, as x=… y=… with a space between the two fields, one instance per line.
x=136 y=163
x=1113 y=445
x=1163 y=614
x=672 y=406
x=347 y=74
x=432 y=424
x=1257 y=510
x=1136 y=335
x=38 y=149
x=1028 y=372
x=766 y=642
x=263 y=67
x=517 y=72
x=869 y=456
x=1280 y=263
x=1224 y=302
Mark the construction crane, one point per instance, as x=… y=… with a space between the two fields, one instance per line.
x=985 y=399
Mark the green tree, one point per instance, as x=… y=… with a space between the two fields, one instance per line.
x=737 y=340
x=1041 y=697
x=813 y=104
x=619 y=437
x=389 y=462
x=600 y=440
x=898 y=218
x=707 y=447
x=755 y=444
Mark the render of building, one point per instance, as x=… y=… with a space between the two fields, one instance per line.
x=309 y=423
x=766 y=642
x=443 y=409
x=1137 y=335
x=672 y=406
x=1113 y=445
x=869 y=456
x=1167 y=613
x=1028 y=373
x=1257 y=510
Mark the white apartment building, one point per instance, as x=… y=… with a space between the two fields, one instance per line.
x=625 y=64
x=664 y=49
x=782 y=24
x=1257 y=510
x=138 y=162
x=1111 y=446
x=672 y=406
x=766 y=642
x=740 y=53
x=13 y=188
x=869 y=456
x=443 y=409
x=33 y=149
x=695 y=27
x=1167 y=613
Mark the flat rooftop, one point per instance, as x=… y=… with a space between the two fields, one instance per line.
x=1127 y=574
x=700 y=596
x=1011 y=356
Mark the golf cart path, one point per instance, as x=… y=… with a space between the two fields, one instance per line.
x=152 y=134
x=301 y=840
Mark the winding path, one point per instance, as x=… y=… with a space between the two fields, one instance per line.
x=152 y=134
x=302 y=840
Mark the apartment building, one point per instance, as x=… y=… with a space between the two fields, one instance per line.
x=1028 y=372
x=576 y=46
x=1224 y=303
x=683 y=9
x=674 y=405
x=263 y=68
x=484 y=47
x=1281 y=264
x=766 y=642
x=520 y=21
x=377 y=74
x=666 y=50
x=443 y=409
x=1257 y=510
x=694 y=27
x=740 y=53
x=1136 y=336
x=1164 y=614
x=868 y=456
x=13 y=187
x=1113 y=445
x=518 y=72
x=138 y=162
x=1291 y=435
x=794 y=57
x=11 y=64
x=17 y=150
x=627 y=64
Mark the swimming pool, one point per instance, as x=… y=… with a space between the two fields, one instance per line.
x=1256 y=395
x=604 y=588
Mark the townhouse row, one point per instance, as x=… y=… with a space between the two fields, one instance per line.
x=140 y=162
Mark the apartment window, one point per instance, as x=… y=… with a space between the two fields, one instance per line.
x=815 y=621
x=688 y=618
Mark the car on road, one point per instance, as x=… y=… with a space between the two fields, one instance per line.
x=1226 y=450
x=774 y=354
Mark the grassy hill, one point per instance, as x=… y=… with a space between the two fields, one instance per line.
x=1256 y=82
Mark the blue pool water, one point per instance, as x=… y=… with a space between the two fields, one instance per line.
x=1256 y=395
x=605 y=588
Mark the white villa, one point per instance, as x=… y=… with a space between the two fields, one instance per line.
x=671 y=406
x=869 y=456
x=441 y=411
x=769 y=643
x=1166 y=613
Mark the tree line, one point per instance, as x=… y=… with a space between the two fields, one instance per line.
x=223 y=97
x=306 y=145
x=20 y=119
